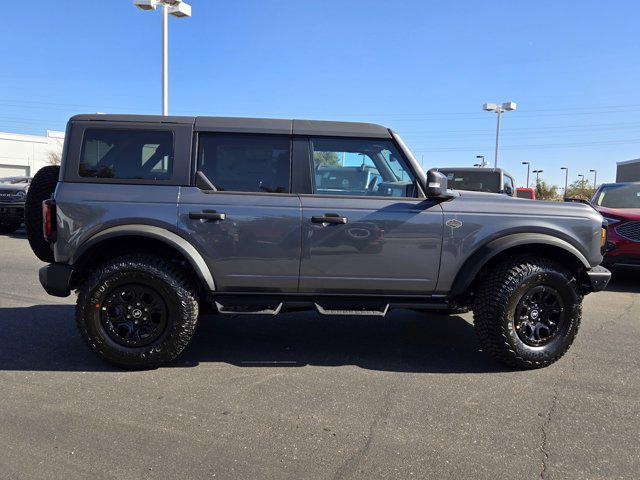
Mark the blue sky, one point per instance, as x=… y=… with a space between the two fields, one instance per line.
x=423 y=68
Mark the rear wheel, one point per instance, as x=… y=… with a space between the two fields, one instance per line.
x=137 y=312
x=527 y=312
x=40 y=189
x=9 y=226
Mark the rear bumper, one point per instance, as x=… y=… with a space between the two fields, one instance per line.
x=598 y=279
x=55 y=279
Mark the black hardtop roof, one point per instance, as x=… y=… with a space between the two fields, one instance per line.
x=252 y=125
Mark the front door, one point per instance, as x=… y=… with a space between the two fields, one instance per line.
x=365 y=231
x=248 y=225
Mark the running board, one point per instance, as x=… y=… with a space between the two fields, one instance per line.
x=249 y=309
x=375 y=313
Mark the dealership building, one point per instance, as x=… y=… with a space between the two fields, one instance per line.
x=24 y=155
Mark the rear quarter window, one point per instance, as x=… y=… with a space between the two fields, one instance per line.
x=127 y=154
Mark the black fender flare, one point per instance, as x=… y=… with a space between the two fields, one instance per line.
x=150 y=231
x=489 y=250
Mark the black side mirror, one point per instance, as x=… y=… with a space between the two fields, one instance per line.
x=436 y=186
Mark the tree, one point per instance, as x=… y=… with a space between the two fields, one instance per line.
x=546 y=192
x=327 y=159
x=580 y=189
x=54 y=158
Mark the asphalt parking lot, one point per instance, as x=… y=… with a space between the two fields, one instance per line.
x=301 y=396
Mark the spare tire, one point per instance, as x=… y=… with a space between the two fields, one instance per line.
x=40 y=189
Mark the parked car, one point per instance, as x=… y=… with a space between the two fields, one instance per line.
x=154 y=219
x=13 y=192
x=619 y=204
x=528 y=193
x=491 y=180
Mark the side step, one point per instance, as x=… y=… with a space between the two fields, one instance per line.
x=248 y=309
x=381 y=312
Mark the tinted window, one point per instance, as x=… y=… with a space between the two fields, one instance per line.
x=359 y=167
x=127 y=154
x=246 y=163
x=476 y=181
x=619 y=196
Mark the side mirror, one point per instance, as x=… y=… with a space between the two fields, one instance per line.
x=436 y=186
x=508 y=191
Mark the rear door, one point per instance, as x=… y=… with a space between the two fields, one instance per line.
x=365 y=229
x=242 y=216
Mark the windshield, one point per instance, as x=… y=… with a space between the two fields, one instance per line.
x=619 y=196
x=475 y=181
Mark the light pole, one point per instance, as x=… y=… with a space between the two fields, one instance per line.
x=537 y=172
x=528 y=164
x=581 y=177
x=179 y=9
x=566 y=180
x=595 y=178
x=494 y=107
x=482 y=162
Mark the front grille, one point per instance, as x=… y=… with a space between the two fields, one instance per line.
x=629 y=230
x=12 y=196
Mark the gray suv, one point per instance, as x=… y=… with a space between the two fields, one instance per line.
x=155 y=219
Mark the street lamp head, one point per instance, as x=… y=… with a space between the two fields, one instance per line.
x=509 y=106
x=180 y=10
x=489 y=107
x=526 y=163
x=146 y=4
x=564 y=168
x=593 y=171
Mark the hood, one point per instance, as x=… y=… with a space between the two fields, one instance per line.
x=494 y=202
x=628 y=213
x=13 y=187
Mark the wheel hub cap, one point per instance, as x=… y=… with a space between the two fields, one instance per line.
x=134 y=315
x=538 y=316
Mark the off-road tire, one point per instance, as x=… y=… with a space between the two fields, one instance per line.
x=497 y=296
x=9 y=226
x=171 y=283
x=40 y=189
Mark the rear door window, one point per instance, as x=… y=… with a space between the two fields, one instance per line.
x=246 y=163
x=127 y=154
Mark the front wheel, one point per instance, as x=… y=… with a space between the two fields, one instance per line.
x=527 y=312
x=137 y=311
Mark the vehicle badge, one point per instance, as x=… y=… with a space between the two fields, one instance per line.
x=453 y=223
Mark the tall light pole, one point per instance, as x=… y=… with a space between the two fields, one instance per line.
x=566 y=180
x=537 y=172
x=179 y=9
x=595 y=178
x=494 y=107
x=528 y=164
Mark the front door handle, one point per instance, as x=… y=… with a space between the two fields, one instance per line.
x=330 y=218
x=207 y=215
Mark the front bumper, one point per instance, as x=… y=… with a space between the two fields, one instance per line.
x=597 y=279
x=11 y=211
x=55 y=279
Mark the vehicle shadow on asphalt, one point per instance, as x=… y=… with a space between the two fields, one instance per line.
x=625 y=281
x=44 y=338
x=403 y=341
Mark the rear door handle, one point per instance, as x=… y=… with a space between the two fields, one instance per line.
x=207 y=215
x=330 y=218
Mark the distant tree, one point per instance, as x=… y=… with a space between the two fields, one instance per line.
x=326 y=159
x=546 y=192
x=54 y=158
x=580 y=189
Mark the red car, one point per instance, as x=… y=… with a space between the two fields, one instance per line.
x=528 y=193
x=619 y=204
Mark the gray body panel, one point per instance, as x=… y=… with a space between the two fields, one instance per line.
x=388 y=246
x=255 y=248
x=86 y=209
x=486 y=217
